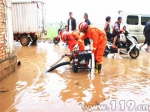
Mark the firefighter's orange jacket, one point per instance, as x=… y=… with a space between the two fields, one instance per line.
x=73 y=39
x=99 y=41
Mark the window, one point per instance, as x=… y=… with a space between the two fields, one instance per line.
x=132 y=20
x=144 y=20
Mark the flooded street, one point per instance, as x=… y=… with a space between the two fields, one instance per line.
x=122 y=84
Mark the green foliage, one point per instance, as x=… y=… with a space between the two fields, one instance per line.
x=52 y=29
x=51 y=32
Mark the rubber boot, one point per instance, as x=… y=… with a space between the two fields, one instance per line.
x=98 y=69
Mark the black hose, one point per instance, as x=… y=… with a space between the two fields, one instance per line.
x=58 y=65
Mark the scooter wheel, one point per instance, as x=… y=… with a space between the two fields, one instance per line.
x=134 y=53
x=75 y=68
x=56 y=41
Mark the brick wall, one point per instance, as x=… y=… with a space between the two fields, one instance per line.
x=2 y=31
x=7 y=62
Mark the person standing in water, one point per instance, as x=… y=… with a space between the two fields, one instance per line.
x=146 y=33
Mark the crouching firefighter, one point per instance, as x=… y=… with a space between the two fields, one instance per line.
x=99 y=42
x=72 y=38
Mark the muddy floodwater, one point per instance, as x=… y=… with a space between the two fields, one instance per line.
x=123 y=85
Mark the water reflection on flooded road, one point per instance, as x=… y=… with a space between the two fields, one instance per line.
x=32 y=90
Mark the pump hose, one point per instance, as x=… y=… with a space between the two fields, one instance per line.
x=58 y=65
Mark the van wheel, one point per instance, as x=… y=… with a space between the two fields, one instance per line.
x=24 y=40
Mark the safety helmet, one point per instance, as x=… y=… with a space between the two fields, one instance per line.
x=83 y=27
x=64 y=35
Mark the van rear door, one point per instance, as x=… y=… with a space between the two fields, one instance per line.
x=133 y=24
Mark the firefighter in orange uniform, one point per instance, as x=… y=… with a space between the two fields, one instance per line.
x=72 y=38
x=99 y=42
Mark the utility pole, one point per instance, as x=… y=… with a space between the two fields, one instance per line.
x=43 y=21
x=9 y=27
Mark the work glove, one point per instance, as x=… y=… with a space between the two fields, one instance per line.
x=94 y=50
x=80 y=40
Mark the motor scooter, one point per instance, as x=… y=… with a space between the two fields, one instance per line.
x=129 y=46
x=56 y=39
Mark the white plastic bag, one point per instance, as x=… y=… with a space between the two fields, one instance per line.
x=122 y=38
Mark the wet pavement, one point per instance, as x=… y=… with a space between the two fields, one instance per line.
x=123 y=85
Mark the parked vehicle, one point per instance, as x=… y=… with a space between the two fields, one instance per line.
x=130 y=44
x=28 y=21
x=135 y=23
x=56 y=39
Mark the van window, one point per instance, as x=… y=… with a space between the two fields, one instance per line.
x=132 y=20
x=144 y=20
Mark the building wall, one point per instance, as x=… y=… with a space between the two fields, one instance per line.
x=3 y=54
x=8 y=60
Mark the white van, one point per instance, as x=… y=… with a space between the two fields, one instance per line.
x=135 y=23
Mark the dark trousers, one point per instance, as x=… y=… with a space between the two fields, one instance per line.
x=87 y=41
x=147 y=40
x=109 y=35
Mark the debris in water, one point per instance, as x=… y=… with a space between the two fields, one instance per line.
x=2 y=91
x=18 y=63
x=42 y=74
x=97 y=103
x=44 y=92
x=76 y=83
